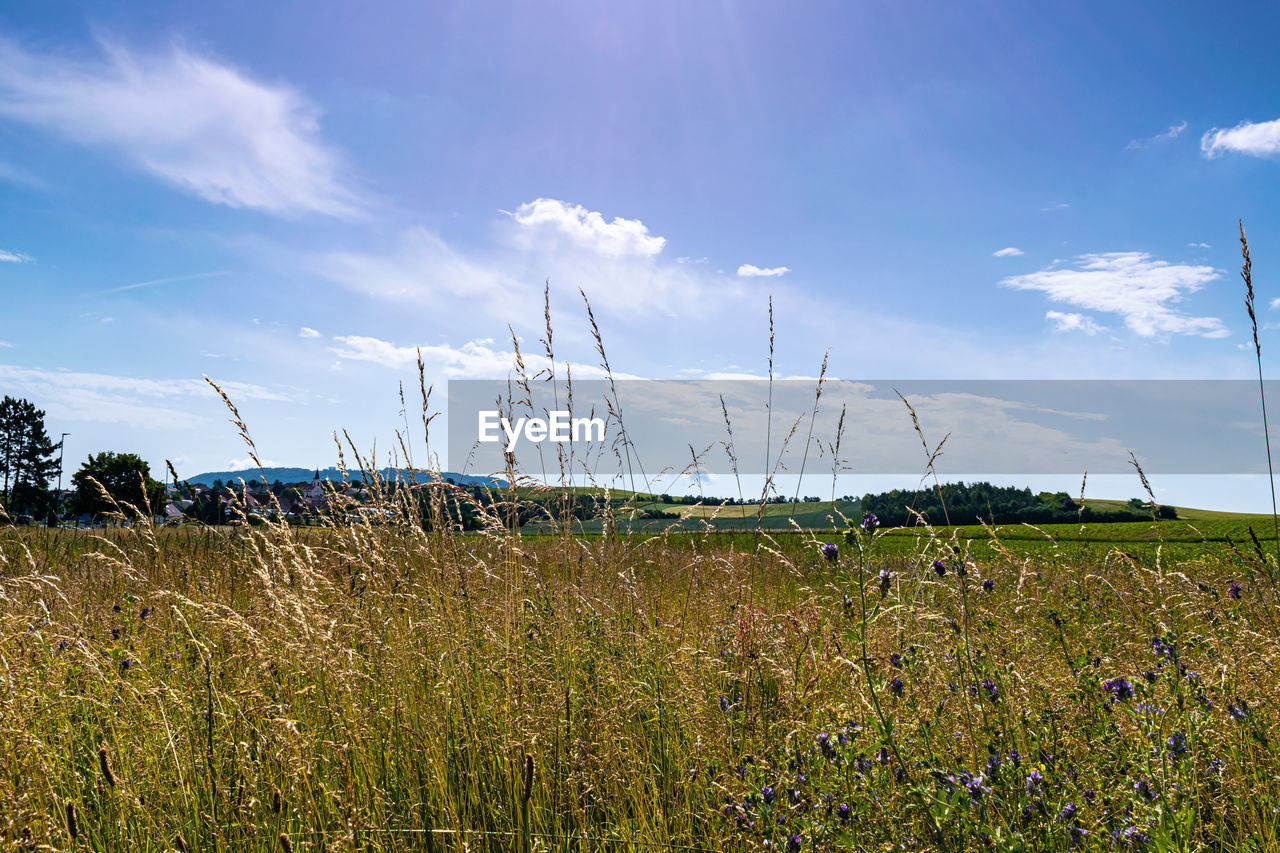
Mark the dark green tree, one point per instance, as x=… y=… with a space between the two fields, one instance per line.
x=126 y=478
x=28 y=459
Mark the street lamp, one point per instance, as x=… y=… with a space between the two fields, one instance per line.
x=58 y=503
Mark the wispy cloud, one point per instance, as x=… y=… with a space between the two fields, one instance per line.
x=753 y=271
x=1174 y=131
x=308 y=332
x=104 y=398
x=1062 y=205
x=1074 y=322
x=191 y=120
x=5 y=345
x=1007 y=252
x=14 y=257
x=170 y=280
x=1256 y=140
x=1199 y=246
x=547 y=219
x=1132 y=285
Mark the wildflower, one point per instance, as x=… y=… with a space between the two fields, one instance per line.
x=115 y=633
x=1144 y=789
x=824 y=742
x=125 y=663
x=993 y=692
x=115 y=608
x=988 y=585
x=1088 y=795
x=994 y=763
x=831 y=551
x=146 y=611
x=895 y=687
x=723 y=702
x=1234 y=592
x=895 y=660
x=1014 y=758
x=1120 y=688
x=870 y=522
x=961 y=569
x=843 y=812
x=1068 y=812
x=1239 y=710
x=63 y=645
x=940 y=567
x=976 y=789
x=768 y=795
x=794 y=843
x=1096 y=661
x=1177 y=744
x=886 y=577
x=1150 y=676
x=1034 y=778
x=1078 y=834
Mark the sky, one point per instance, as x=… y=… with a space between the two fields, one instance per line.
x=294 y=199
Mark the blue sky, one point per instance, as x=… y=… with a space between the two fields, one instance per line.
x=292 y=197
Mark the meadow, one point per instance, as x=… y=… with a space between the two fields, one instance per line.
x=401 y=686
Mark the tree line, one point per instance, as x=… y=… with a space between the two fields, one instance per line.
x=974 y=503
x=30 y=459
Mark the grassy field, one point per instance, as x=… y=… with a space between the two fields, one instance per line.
x=402 y=687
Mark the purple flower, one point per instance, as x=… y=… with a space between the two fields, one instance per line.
x=768 y=794
x=1177 y=744
x=1144 y=789
x=1239 y=710
x=976 y=789
x=940 y=567
x=831 y=551
x=1120 y=688
x=895 y=687
x=146 y=611
x=1234 y=592
x=988 y=585
x=1034 y=778
x=993 y=692
x=870 y=522
x=895 y=660
x=886 y=577
x=843 y=812
x=794 y=843
x=1078 y=834
x=961 y=568
x=1068 y=812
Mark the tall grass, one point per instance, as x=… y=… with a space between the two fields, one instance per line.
x=403 y=686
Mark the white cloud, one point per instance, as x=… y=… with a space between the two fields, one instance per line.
x=547 y=218
x=1256 y=140
x=753 y=271
x=13 y=257
x=1062 y=205
x=1275 y=303
x=1007 y=252
x=308 y=332
x=1132 y=285
x=103 y=398
x=1074 y=322
x=173 y=279
x=477 y=359
x=1199 y=246
x=189 y=119
x=1174 y=131
x=5 y=345
x=617 y=263
x=246 y=463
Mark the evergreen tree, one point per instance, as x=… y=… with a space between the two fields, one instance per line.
x=28 y=459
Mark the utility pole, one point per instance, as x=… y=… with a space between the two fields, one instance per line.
x=57 y=504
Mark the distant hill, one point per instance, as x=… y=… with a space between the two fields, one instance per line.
x=300 y=475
